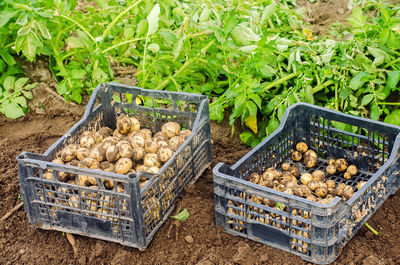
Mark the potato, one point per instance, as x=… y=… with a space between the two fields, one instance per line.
x=109 y=141
x=90 y=163
x=98 y=137
x=147 y=133
x=171 y=128
x=306 y=178
x=123 y=124
x=62 y=176
x=137 y=141
x=165 y=153
x=301 y=147
x=280 y=187
x=48 y=175
x=176 y=141
x=318 y=175
x=341 y=165
x=295 y=171
x=285 y=166
x=185 y=133
x=135 y=125
x=289 y=191
x=305 y=190
x=288 y=177
x=296 y=156
x=98 y=153
x=352 y=169
x=360 y=184
x=330 y=183
x=141 y=168
x=310 y=154
x=310 y=162
x=340 y=188
x=347 y=175
x=118 y=135
x=105 y=131
x=125 y=149
x=163 y=143
x=331 y=169
x=324 y=201
x=120 y=187
x=106 y=166
x=69 y=152
x=291 y=184
x=82 y=153
x=123 y=166
x=331 y=161
x=151 y=160
x=87 y=141
x=138 y=153
x=313 y=185
x=348 y=192
x=332 y=191
x=160 y=136
x=312 y=198
x=254 y=177
x=153 y=170
x=321 y=192
x=112 y=153
x=151 y=146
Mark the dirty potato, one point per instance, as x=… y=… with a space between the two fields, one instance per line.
x=123 y=124
x=147 y=133
x=301 y=147
x=135 y=124
x=341 y=165
x=185 y=133
x=69 y=152
x=151 y=146
x=98 y=153
x=171 y=128
x=87 y=141
x=310 y=162
x=125 y=149
x=352 y=169
x=165 y=153
x=109 y=141
x=151 y=160
x=82 y=153
x=360 y=184
x=90 y=163
x=160 y=136
x=137 y=140
x=138 y=153
x=296 y=156
x=318 y=175
x=285 y=166
x=331 y=169
x=306 y=178
x=112 y=153
x=176 y=141
x=123 y=166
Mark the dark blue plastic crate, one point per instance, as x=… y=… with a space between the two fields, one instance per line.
x=315 y=232
x=130 y=215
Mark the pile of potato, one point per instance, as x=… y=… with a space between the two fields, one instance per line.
x=127 y=149
x=311 y=185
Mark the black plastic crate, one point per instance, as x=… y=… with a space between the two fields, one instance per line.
x=316 y=232
x=127 y=214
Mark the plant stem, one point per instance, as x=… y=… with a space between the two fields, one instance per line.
x=336 y=97
x=180 y=70
x=81 y=27
x=115 y=20
x=389 y=103
x=122 y=43
x=371 y=229
x=279 y=81
x=392 y=62
x=322 y=86
x=12 y=94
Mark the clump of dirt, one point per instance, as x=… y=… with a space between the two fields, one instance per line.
x=323 y=13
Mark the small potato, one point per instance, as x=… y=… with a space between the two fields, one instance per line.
x=147 y=133
x=318 y=175
x=105 y=131
x=137 y=141
x=123 y=124
x=301 y=147
x=171 y=128
x=162 y=143
x=295 y=171
x=268 y=184
x=160 y=136
x=123 y=166
x=90 y=163
x=109 y=141
x=98 y=137
x=153 y=170
x=340 y=188
x=112 y=153
x=98 y=153
x=306 y=178
x=255 y=178
x=310 y=154
x=69 y=152
x=62 y=176
x=280 y=187
x=296 y=156
x=312 y=198
x=57 y=161
x=176 y=141
x=135 y=125
x=125 y=149
x=322 y=184
x=87 y=141
x=151 y=146
x=321 y=192
x=82 y=153
x=141 y=168
x=332 y=191
x=285 y=166
x=310 y=162
x=352 y=169
x=330 y=183
x=138 y=153
x=185 y=133
x=165 y=153
x=347 y=175
x=118 y=135
x=324 y=201
x=331 y=169
x=289 y=191
x=313 y=185
x=361 y=184
x=331 y=161
x=348 y=192
x=107 y=166
x=341 y=165
x=287 y=176
x=151 y=160
x=305 y=190
x=75 y=163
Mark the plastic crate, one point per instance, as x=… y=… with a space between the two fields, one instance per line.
x=132 y=215
x=316 y=232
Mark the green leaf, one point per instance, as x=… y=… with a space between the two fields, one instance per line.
x=393 y=117
x=256 y=98
x=244 y=35
x=375 y=112
x=76 y=96
x=367 y=99
x=22 y=19
x=7 y=57
x=246 y=137
x=273 y=124
x=21 y=101
x=154 y=47
x=182 y=216
x=216 y=111
x=269 y=10
x=391 y=83
x=12 y=110
x=281 y=111
x=252 y=108
x=44 y=31
x=9 y=82
x=74 y=43
x=99 y=75
x=358 y=80
x=380 y=56
x=5 y=16
x=20 y=82
x=27 y=94
x=153 y=19
x=78 y=73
